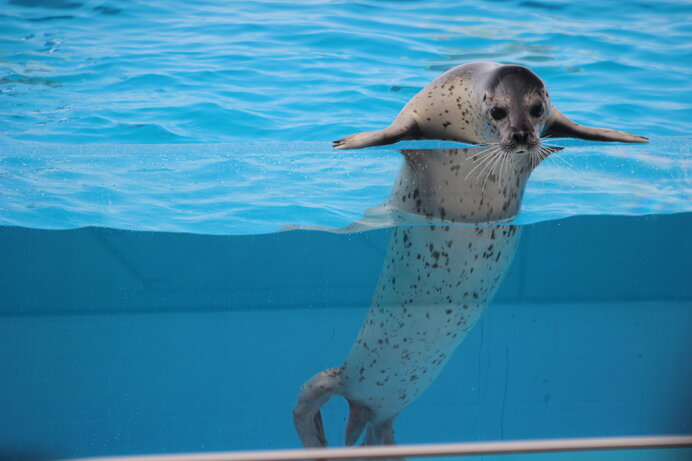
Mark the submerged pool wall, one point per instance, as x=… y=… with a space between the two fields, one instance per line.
x=119 y=342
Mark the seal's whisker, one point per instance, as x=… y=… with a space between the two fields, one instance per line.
x=482 y=165
x=482 y=153
x=510 y=160
x=510 y=163
x=474 y=157
x=558 y=157
x=488 y=163
x=489 y=169
x=487 y=155
x=505 y=159
x=496 y=169
x=536 y=158
x=485 y=152
x=501 y=155
x=552 y=155
x=543 y=153
x=538 y=155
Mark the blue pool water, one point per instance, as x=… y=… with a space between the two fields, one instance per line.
x=150 y=153
x=117 y=342
x=177 y=71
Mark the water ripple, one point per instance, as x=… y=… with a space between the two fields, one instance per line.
x=247 y=188
x=153 y=73
x=309 y=70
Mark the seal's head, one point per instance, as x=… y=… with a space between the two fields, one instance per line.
x=515 y=107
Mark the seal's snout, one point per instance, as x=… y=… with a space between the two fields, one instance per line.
x=520 y=137
x=520 y=140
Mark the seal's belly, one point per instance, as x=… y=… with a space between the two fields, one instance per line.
x=434 y=284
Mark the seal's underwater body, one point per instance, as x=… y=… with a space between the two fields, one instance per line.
x=437 y=278
x=435 y=282
x=483 y=103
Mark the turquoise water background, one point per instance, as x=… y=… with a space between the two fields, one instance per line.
x=130 y=342
x=177 y=71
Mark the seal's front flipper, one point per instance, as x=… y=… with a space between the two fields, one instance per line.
x=306 y=414
x=403 y=127
x=559 y=126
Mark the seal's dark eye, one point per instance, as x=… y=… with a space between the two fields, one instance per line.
x=498 y=113
x=536 y=110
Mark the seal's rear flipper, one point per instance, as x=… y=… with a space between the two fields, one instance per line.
x=358 y=417
x=381 y=434
x=306 y=414
x=401 y=128
x=559 y=126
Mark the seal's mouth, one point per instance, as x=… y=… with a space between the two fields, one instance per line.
x=534 y=150
x=527 y=147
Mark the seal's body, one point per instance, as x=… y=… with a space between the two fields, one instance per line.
x=435 y=282
x=438 y=278
x=483 y=103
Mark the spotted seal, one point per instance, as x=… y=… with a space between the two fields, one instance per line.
x=435 y=282
x=483 y=103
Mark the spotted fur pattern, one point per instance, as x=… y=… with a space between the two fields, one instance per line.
x=458 y=106
x=435 y=282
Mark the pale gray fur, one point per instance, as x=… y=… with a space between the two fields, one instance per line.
x=457 y=106
x=434 y=284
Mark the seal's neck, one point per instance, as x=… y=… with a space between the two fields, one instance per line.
x=477 y=185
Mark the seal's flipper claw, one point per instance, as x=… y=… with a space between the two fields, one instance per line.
x=559 y=126
x=336 y=144
x=306 y=414
x=358 y=417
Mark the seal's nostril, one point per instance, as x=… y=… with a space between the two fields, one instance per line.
x=520 y=136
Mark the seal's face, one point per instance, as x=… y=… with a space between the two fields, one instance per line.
x=515 y=107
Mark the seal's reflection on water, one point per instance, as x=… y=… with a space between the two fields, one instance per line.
x=436 y=280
